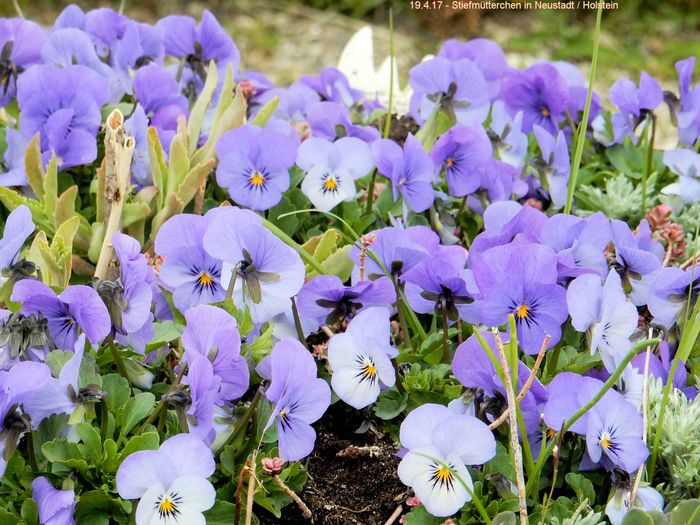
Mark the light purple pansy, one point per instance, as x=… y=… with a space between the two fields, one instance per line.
x=56 y=507
x=462 y=152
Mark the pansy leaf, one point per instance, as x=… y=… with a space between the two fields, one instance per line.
x=390 y=404
x=145 y=441
x=34 y=166
x=264 y=113
x=194 y=123
x=582 y=486
x=30 y=512
x=221 y=513
x=96 y=508
x=118 y=391
x=136 y=409
x=91 y=438
x=163 y=333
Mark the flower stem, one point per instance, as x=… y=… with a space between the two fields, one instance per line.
x=297 y=324
x=29 y=440
x=116 y=356
x=583 y=126
x=445 y=335
x=649 y=161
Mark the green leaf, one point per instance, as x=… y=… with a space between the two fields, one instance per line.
x=30 y=512
x=637 y=517
x=96 y=508
x=686 y=513
x=7 y=519
x=34 y=166
x=163 y=333
x=262 y=345
x=582 y=486
x=221 y=513
x=56 y=360
x=91 y=438
x=111 y=461
x=264 y=113
x=145 y=441
x=50 y=198
x=136 y=409
x=339 y=263
x=118 y=391
x=194 y=123
x=390 y=403
x=505 y=518
x=420 y=516
x=65 y=453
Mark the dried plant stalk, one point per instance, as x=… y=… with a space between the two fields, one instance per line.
x=119 y=150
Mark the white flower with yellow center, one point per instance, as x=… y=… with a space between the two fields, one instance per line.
x=331 y=169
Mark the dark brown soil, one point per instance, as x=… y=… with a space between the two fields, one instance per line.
x=352 y=478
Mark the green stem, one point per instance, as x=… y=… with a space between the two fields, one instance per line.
x=649 y=160
x=583 y=126
x=232 y=284
x=612 y=381
x=29 y=440
x=370 y=192
x=116 y=356
x=399 y=382
x=552 y=364
x=297 y=324
x=243 y=423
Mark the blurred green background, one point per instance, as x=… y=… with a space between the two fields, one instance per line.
x=287 y=38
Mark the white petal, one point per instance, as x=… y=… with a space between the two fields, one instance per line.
x=348 y=385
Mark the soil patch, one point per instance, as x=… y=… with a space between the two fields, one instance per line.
x=352 y=477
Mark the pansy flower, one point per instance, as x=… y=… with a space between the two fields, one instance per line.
x=212 y=333
x=16 y=385
x=540 y=92
x=331 y=120
x=170 y=483
x=18 y=227
x=360 y=358
x=508 y=140
x=410 y=170
x=688 y=114
x=458 y=87
x=266 y=271
x=254 y=165
x=294 y=101
x=203 y=396
x=56 y=507
x=619 y=504
x=331 y=84
x=605 y=313
x=462 y=152
x=434 y=465
x=686 y=164
x=63 y=105
x=486 y=55
x=298 y=395
x=554 y=164
x=77 y=307
x=188 y=270
x=325 y=298
x=520 y=278
x=613 y=428
x=20 y=47
x=331 y=169
x=668 y=294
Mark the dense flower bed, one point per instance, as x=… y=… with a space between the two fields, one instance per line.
x=197 y=263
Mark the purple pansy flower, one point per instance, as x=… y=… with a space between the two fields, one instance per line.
x=294 y=101
x=56 y=507
x=410 y=170
x=434 y=286
x=137 y=127
x=613 y=427
x=12 y=172
x=458 y=86
x=361 y=357
x=660 y=368
x=400 y=249
x=63 y=104
x=605 y=313
x=474 y=369
x=254 y=165
x=299 y=397
x=580 y=243
x=136 y=279
x=325 y=298
x=197 y=45
x=188 y=270
x=540 y=92
x=633 y=104
x=204 y=393
x=140 y=44
x=267 y=272
x=18 y=227
x=78 y=306
x=485 y=54
x=16 y=385
x=332 y=85
x=331 y=120
x=638 y=259
x=668 y=294
x=686 y=164
x=71 y=16
x=331 y=169
x=171 y=482
x=554 y=165
x=578 y=90
x=159 y=95
x=437 y=454
x=619 y=504
x=502 y=222
x=520 y=278
x=213 y=333
x=462 y=152
x=105 y=26
x=509 y=142
x=63 y=395
x=688 y=114
x=20 y=47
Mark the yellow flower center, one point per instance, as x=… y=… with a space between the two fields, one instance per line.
x=545 y=111
x=522 y=312
x=443 y=475
x=551 y=433
x=330 y=184
x=450 y=162
x=370 y=370
x=257 y=179
x=605 y=440
x=167 y=507
x=205 y=279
